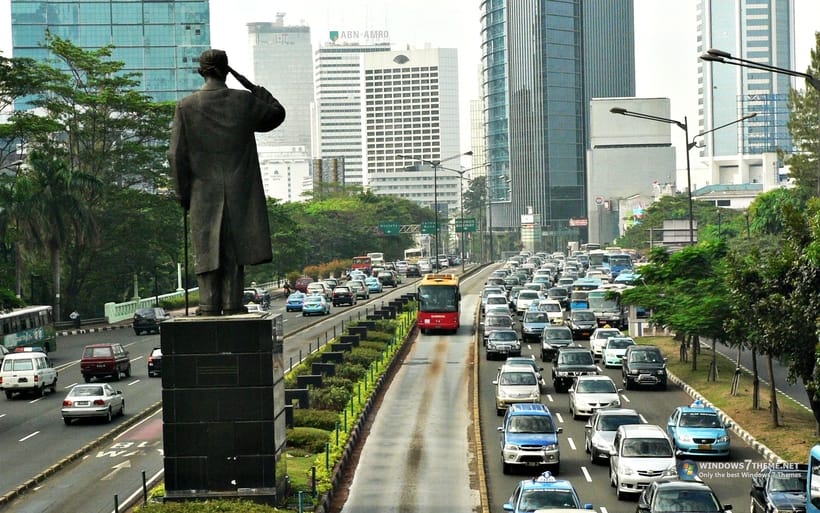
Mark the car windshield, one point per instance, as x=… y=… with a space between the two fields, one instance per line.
x=536 y=317
x=619 y=344
x=703 y=420
x=596 y=386
x=577 y=358
x=613 y=422
x=549 y=307
x=557 y=334
x=532 y=500
x=504 y=335
x=528 y=294
x=583 y=316
x=787 y=482
x=517 y=378
x=701 y=501
x=502 y=321
x=646 y=357
x=496 y=300
x=531 y=424
x=646 y=448
x=87 y=391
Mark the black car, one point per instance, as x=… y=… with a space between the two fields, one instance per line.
x=643 y=365
x=679 y=495
x=413 y=270
x=343 y=295
x=582 y=323
x=779 y=488
x=554 y=338
x=570 y=363
x=147 y=320
x=387 y=278
x=155 y=362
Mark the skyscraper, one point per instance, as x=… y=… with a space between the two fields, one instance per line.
x=159 y=40
x=761 y=31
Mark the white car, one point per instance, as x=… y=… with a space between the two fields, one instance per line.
x=526 y=297
x=92 y=400
x=614 y=350
x=598 y=339
x=641 y=454
x=553 y=309
x=401 y=266
x=591 y=393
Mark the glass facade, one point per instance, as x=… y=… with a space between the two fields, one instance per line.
x=159 y=40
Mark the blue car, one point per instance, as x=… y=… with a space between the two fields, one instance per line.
x=315 y=304
x=294 y=303
x=373 y=284
x=544 y=492
x=698 y=430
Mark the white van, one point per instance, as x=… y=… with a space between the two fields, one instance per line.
x=641 y=454
x=27 y=372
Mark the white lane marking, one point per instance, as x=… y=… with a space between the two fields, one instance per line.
x=586 y=474
x=560 y=418
x=137 y=358
x=643 y=419
x=2 y=415
x=550 y=399
x=625 y=398
x=133 y=382
x=28 y=436
x=603 y=509
x=72 y=385
x=571 y=443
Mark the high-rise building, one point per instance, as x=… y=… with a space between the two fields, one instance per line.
x=757 y=30
x=282 y=62
x=411 y=109
x=340 y=104
x=543 y=61
x=159 y=40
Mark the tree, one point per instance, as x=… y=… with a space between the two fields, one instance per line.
x=804 y=120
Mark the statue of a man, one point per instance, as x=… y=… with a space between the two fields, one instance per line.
x=216 y=174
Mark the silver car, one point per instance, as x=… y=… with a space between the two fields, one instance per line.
x=93 y=400
x=600 y=430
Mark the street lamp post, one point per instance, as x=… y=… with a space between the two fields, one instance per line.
x=461 y=173
x=506 y=180
x=689 y=145
x=436 y=164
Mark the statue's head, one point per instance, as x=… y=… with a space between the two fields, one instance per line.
x=213 y=63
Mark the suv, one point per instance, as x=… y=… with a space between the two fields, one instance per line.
x=641 y=454
x=529 y=437
x=30 y=371
x=101 y=360
x=643 y=365
x=388 y=278
x=570 y=363
x=343 y=295
x=148 y=319
x=515 y=384
x=554 y=338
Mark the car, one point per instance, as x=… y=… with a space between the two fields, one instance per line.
x=533 y=323
x=560 y=294
x=553 y=309
x=614 y=351
x=498 y=310
x=321 y=288
x=359 y=288
x=401 y=266
x=529 y=438
x=515 y=384
x=643 y=365
x=294 y=302
x=302 y=283
x=27 y=372
x=511 y=281
x=254 y=308
x=155 y=362
x=591 y=393
x=502 y=342
x=554 y=338
x=356 y=274
x=388 y=278
x=525 y=298
x=147 y=320
x=544 y=493
x=105 y=360
x=598 y=338
x=679 y=496
x=343 y=295
x=413 y=270
x=698 y=430
x=582 y=323
x=331 y=282
x=531 y=361
x=570 y=363
x=315 y=304
x=373 y=284
x=425 y=266
x=599 y=431
x=779 y=487
x=95 y=400
x=496 y=299
x=496 y=281
x=487 y=291
x=641 y=454
x=495 y=322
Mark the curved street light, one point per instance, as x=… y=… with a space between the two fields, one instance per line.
x=715 y=55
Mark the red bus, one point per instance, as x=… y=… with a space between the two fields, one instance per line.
x=362 y=263
x=439 y=299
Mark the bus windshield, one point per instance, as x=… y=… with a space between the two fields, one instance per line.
x=599 y=302
x=438 y=298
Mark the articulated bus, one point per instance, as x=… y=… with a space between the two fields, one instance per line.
x=32 y=326
x=439 y=299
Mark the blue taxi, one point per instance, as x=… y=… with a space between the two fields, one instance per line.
x=544 y=492
x=295 y=301
x=698 y=430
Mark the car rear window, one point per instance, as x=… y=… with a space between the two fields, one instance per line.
x=97 y=352
x=18 y=365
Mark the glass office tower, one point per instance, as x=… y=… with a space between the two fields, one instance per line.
x=159 y=40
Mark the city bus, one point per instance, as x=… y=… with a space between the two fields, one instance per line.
x=413 y=255
x=31 y=326
x=362 y=263
x=439 y=299
x=586 y=284
x=606 y=303
x=596 y=258
x=618 y=263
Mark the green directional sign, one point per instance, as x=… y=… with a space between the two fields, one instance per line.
x=428 y=227
x=465 y=224
x=390 y=228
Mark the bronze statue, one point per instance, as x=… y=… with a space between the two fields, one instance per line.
x=217 y=179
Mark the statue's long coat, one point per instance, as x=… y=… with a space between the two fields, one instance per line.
x=216 y=172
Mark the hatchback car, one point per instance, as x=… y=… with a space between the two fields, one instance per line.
x=155 y=362
x=88 y=401
x=529 y=438
x=591 y=393
x=676 y=496
x=544 y=492
x=571 y=363
x=294 y=303
x=343 y=295
x=532 y=324
x=503 y=342
x=599 y=431
x=147 y=320
x=315 y=304
x=698 y=430
x=105 y=360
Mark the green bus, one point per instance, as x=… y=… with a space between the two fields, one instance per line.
x=31 y=326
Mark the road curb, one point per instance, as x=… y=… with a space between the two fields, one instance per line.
x=96 y=329
x=764 y=451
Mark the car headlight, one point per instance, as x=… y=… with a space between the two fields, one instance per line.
x=625 y=470
x=615 y=404
x=722 y=439
x=547 y=345
x=671 y=471
x=551 y=447
x=601 y=444
x=510 y=447
x=535 y=394
x=685 y=438
x=633 y=371
x=660 y=372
